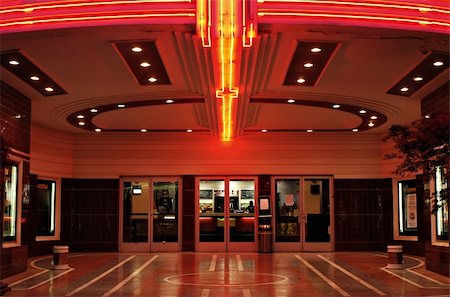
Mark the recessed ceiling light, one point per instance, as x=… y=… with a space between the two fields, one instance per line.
x=291 y=101
x=169 y=101
x=308 y=65
x=374 y=117
x=189 y=130
x=81 y=123
x=152 y=79
x=14 y=62
x=427 y=116
x=145 y=64
x=355 y=130
x=418 y=78
x=404 y=89
x=264 y=130
x=136 y=49
x=93 y=110
x=336 y=106
x=144 y=130
x=370 y=124
x=301 y=80
x=310 y=130
x=98 y=130
x=438 y=63
x=316 y=50
x=362 y=111
x=17 y=116
x=49 y=89
x=80 y=116
x=34 y=77
x=121 y=105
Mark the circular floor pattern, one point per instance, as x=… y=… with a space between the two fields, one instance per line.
x=226 y=279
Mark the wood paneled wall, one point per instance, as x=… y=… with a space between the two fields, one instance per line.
x=363 y=214
x=15 y=117
x=188 y=210
x=90 y=214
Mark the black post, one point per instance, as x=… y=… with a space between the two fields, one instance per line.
x=3 y=154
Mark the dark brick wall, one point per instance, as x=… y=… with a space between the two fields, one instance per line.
x=90 y=214
x=363 y=214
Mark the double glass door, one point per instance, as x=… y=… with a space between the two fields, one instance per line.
x=226 y=214
x=303 y=217
x=149 y=219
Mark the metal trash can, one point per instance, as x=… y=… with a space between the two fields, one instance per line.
x=265 y=239
x=60 y=257
x=395 y=257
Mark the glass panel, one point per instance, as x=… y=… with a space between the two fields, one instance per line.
x=10 y=209
x=407 y=208
x=242 y=211
x=316 y=195
x=45 y=208
x=211 y=208
x=135 y=211
x=442 y=211
x=165 y=214
x=287 y=205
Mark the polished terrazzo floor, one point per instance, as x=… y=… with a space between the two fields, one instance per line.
x=228 y=274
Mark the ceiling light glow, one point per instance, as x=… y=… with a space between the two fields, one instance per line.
x=355 y=130
x=168 y=101
x=316 y=50
x=418 y=78
x=310 y=130
x=80 y=116
x=189 y=130
x=81 y=123
x=438 y=63
x=362 y=111
x=371 y=124
x=14 y=62
x=34 y=77
x=308 y=65
x=264 y=130
x=336 y=106
x=136 y=49
x=152 y=79
x=98 y=130
x=121 y=105
x=291 y=101
x=93 y=110
x=49 y=89
x=374 y=117
x=404 y=89
x=145 y=64
x=143 y=130
x=301 y=80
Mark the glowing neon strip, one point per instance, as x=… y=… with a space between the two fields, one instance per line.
x=376 y=4
x=364 y=17
x=206 y=42
x=91 y=18
x=30 y=8
x=244 y=25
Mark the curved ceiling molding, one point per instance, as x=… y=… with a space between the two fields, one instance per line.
x=84 y=118
x=369 y=118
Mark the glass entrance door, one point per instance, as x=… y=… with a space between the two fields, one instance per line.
x=302 y=219
x=149 y=215
x=226 y=214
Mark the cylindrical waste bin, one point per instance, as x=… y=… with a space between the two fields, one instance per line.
x=265 y=239
x=60 y=257
x=395 y=256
